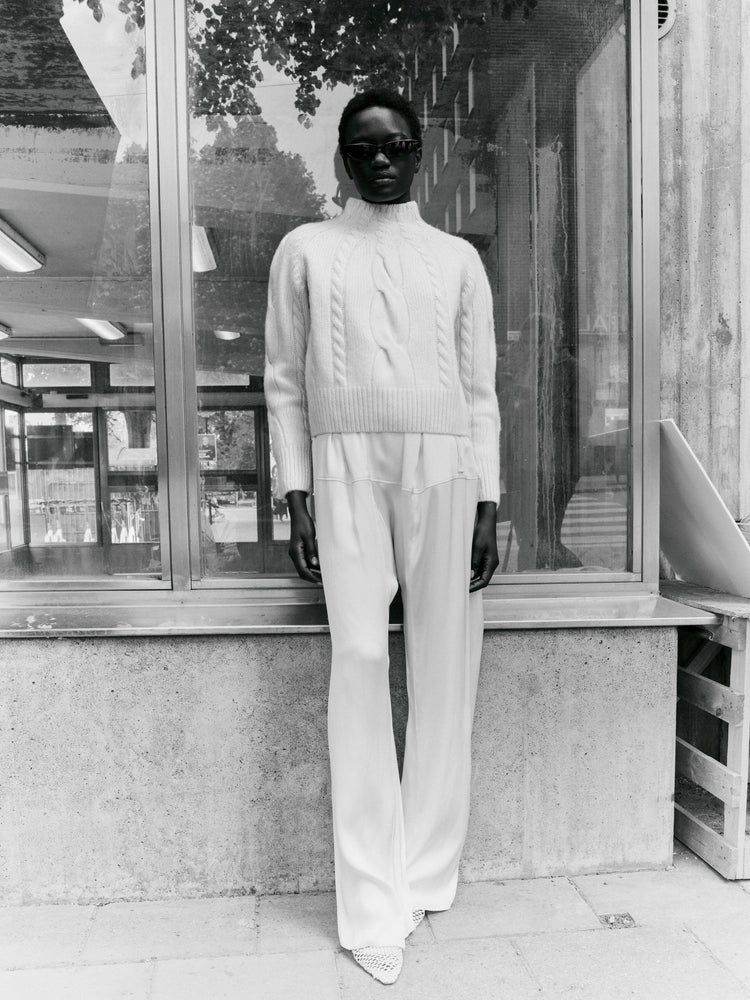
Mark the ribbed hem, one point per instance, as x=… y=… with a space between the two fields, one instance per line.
x=362 y=408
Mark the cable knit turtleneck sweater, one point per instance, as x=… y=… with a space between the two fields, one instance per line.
x=377 y=321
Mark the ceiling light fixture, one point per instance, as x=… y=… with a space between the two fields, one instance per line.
x=103 y=328
x=227 y=334
x=16 y=253
x=203 y=257
x=5 y=331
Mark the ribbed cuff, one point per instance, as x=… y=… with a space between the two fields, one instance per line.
x=295 y=469
x=489 y=479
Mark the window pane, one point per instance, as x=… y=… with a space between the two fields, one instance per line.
x=536 y=177
x=74 y=163
x=8 y=371
x=44 y=376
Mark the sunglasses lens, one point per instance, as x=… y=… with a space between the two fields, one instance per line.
x=398 y=147
x=360 y=151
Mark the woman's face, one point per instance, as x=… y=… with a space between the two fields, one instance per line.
x=382 y=180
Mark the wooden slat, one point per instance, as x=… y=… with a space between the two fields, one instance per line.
x=714 y=698
x=703 y=657
x=706 y=843
x=738 y=747
x=708 y=773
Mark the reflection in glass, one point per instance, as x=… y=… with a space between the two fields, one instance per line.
x=526 y=155
x=74 y=167
x=44 y=376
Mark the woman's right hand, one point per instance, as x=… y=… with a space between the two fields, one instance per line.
x=303 y=548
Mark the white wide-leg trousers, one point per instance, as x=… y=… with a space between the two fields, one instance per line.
x=396 y=508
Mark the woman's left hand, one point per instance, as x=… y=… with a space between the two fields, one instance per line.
x=484 y=557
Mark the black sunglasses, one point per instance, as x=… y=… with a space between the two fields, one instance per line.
x=393 y=149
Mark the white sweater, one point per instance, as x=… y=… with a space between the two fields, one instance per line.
x=377 y=321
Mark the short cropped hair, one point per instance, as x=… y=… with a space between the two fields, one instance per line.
x=380 y=97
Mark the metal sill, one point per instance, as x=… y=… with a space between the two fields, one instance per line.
x=165 y=614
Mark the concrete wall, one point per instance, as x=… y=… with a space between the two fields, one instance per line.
x=705 y=237
x=145 y=768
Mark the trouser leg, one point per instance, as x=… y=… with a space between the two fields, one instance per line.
x=397 y=848
x=356 y=557
x=443 y=636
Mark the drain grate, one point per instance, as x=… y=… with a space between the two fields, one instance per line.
x=617 y=921
x=666 y=11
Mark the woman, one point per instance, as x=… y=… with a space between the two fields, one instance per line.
x=380 y=374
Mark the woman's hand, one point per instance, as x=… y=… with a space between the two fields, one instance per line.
x=484 y=557
x=303 y=548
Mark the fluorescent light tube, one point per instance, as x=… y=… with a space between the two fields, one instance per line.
x=16 y=253
x=203 y=258
x=5 y=331
x=103 y=328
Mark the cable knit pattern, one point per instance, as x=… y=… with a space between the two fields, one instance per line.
x=338 y=333
x=441 y=311
x=378 y=322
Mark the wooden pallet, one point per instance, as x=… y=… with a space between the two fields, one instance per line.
x=721 y=772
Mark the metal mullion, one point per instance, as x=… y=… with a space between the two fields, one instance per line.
x=636 y=372
x=645 y=214
x=168 y=98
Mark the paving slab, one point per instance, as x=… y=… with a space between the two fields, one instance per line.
x=672 y=897
x=729 y=941
x=485 y=969
x=38 y=936
x=636 y=964
x=307 y=976
x=93 y=982
x=304 y=922
x=181 y=928
x=524 y=906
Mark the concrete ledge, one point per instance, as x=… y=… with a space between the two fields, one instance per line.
x=227 y=612
x=138 y=768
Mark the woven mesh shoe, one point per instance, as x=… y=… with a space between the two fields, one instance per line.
x=417 y=916
x=383 y=963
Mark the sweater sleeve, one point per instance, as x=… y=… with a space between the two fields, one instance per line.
x=287 y=328
x=478 y=363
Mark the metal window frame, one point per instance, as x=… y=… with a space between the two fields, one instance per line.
x=176 y=393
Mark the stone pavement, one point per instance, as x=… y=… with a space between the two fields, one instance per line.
x=682 y=933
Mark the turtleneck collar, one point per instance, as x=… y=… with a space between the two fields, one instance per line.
x=357 y=210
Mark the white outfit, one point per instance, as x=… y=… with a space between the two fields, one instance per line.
x=380 y=379
x=396 y=508
x=377 y=321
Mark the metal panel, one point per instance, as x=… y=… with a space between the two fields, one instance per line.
x=179 y=390
x=646 y=358
x=160 y=407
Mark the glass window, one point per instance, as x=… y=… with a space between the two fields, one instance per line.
x=13 y=484
x=539 y=183
x=48 y=375
x=545 y=169
x=74 y=159
x=9 y=371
